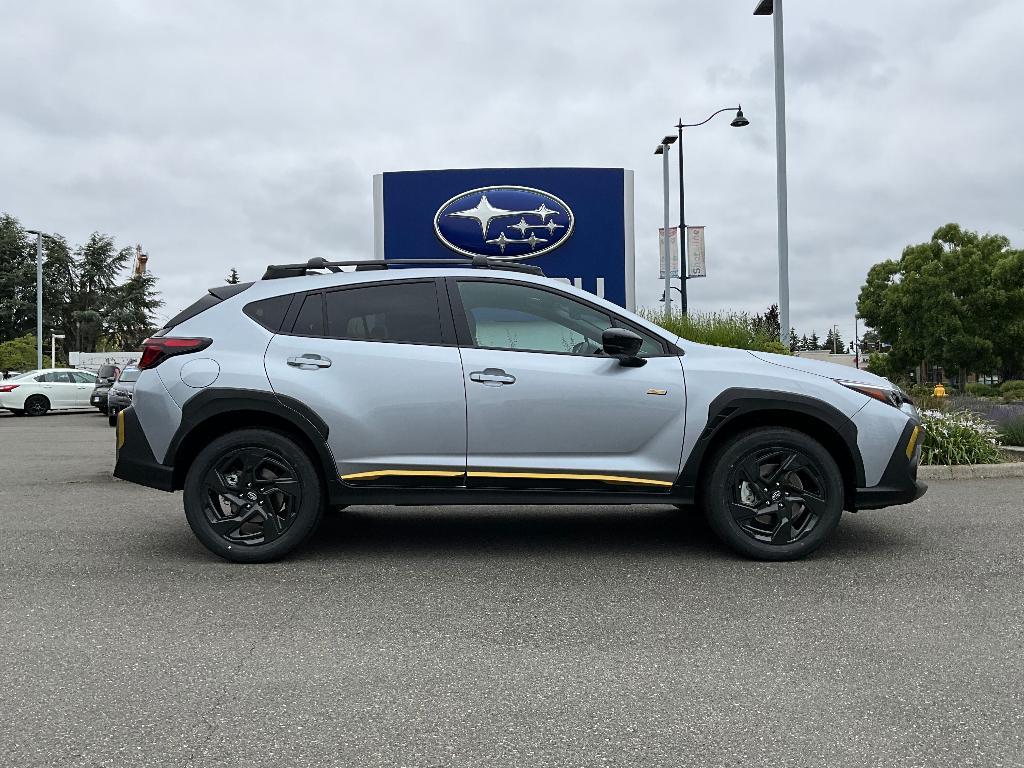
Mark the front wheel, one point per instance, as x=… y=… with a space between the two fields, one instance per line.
x=112 y=418
x=774 y=494
x=252 y=496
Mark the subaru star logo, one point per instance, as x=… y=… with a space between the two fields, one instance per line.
x=504 y=222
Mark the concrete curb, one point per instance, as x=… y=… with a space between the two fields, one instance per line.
x=971 y=471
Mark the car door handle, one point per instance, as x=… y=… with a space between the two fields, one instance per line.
x=492 y=377
x=309 y=362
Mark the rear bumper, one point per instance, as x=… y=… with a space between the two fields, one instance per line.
x=135 y=462
x=899 y=483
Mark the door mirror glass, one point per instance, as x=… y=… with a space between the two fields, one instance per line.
x=623 y=345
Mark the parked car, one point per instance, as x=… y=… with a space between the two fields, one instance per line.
x=483 y=382
x=120 y=395
x=36 y=392
x=106 y=375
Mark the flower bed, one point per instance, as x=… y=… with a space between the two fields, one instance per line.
x=959 y=437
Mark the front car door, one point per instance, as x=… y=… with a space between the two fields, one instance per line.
x=547 y=409
x=378 y=365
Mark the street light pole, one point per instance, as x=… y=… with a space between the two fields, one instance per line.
x=39 y=296
x=738 y=122
x=774 y=8
x=662 y=149
x=53 y=348
x=683 y=265
x=856 y=341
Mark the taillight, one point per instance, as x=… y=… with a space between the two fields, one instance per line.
x=8 y=387
x=157 y=349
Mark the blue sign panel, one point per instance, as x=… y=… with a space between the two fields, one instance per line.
x=574 y=223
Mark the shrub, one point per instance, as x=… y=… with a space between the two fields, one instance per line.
x=719 y=329
x=981 y=390
x=1012 y=432
x=1012 y=389
x=958 y=437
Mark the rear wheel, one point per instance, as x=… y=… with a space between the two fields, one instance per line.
x=252 y=496
x=774 y=494
x=36 y=405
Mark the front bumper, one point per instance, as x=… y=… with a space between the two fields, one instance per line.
x=899 y=483
x=135 y=462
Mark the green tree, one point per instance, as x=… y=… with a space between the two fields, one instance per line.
x=955 y=301
x=129 y=316
x=18 y=354
x=233 y=278
x=17 y=279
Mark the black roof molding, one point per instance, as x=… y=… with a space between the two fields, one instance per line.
x=275 y=271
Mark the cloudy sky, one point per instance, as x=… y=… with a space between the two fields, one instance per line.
x=241 y=133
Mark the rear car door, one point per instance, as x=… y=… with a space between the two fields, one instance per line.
x=84 y=385
x=547 y=409
x=378 y=362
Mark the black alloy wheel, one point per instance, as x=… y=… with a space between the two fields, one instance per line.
x=252 y=496
x=36 y=405
x=774 y=494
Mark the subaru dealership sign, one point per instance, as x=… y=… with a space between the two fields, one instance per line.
x=574 y=223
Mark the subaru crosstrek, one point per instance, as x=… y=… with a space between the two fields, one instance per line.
x=476 y=382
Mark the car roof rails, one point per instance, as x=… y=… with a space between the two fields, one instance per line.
x=275 y=271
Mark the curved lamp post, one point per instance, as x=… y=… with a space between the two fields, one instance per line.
x=739 y=121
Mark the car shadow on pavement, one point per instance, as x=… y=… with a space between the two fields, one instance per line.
x=590 y=530
x=436 y=531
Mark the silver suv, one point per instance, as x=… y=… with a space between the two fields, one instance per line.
x=476 y=382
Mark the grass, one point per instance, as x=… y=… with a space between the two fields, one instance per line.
x=1012 y=431
x=719 y=329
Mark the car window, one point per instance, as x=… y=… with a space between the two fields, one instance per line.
x=310 y=321
x=55 y=377
x=519 y=317
x=398 y=312
x=269 y=313
x=129 y=374
x=83 y=378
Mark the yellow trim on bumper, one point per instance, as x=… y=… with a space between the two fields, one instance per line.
x=401 y=473
x=120 y=430
x=913 y=441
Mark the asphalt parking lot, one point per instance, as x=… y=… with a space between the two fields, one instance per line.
x=496 y=636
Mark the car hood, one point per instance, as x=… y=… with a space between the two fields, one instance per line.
x=821 y=368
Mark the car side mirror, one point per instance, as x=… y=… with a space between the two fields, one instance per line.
x=623 y=345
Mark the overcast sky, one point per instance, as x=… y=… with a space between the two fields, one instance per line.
x=242 y=133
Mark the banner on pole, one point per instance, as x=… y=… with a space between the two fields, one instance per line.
x=673 y=248
x=695 y=259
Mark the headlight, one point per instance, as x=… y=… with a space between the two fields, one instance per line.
x=892 y=395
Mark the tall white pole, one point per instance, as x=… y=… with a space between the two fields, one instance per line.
x=39 y=299
x=667 y=255
x=53 y=351
x=780 y=174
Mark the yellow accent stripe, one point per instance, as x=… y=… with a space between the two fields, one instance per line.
x=571 y=476
x=120 y=430
x=515 y=475
x=913 y=441
x=401 y=473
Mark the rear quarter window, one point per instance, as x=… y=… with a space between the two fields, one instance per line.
x=269 y=313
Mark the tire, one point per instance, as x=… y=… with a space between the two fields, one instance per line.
x=269 y=472
x=17 y=411
x=36 y=405
x=112 y=418
x=745 y=477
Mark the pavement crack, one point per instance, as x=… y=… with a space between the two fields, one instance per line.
x=214 y=719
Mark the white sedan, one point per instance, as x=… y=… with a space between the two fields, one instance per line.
x=36 y=392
